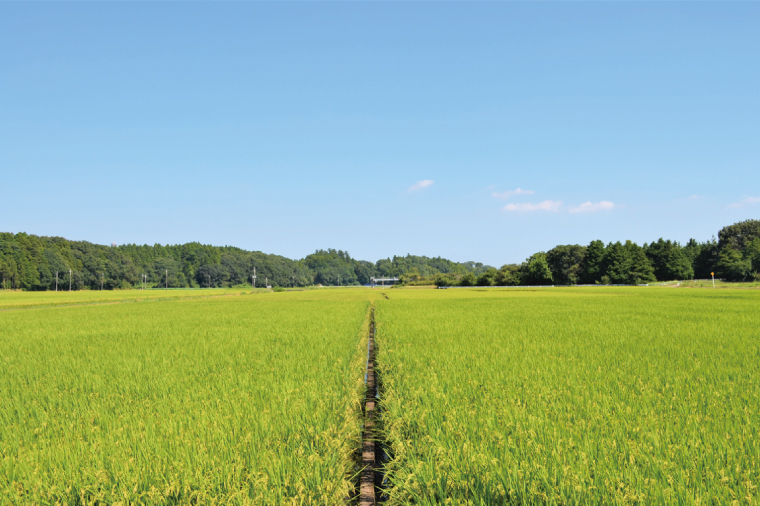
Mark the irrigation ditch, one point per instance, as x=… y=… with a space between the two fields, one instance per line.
x=373 y=449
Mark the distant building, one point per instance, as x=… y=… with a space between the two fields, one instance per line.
x=113 y=244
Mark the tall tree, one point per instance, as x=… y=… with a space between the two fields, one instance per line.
x=669 y=260
x=488 y=278
x=732 y=265
x=592 y=266
x=738 y=235
x=617 y=263
x=508 y=275
x=536 y=271
x=752 y=253
x=640 y=270
x=565 y=263
x=706 y=259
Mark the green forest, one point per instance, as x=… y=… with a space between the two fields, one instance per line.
x=31 y=262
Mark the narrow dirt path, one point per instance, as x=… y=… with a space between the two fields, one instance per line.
x=367 y=479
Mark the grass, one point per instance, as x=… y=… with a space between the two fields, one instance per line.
x=578 y=396
x=230 y=400
x=701 y=283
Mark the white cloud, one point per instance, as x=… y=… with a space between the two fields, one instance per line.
x=589 y=207
x=695 y=197
x=744 y=202
x=546 y=205
x=419 y=185
x=510 y=193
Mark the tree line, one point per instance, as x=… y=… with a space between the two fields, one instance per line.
x=734 y=256
x=32 y=262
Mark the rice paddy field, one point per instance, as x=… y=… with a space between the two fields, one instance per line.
x=571 y=396
x=562 y=396
x=231 y=400
x=10 y=299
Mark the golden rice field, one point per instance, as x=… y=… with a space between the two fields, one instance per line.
x=572 y=396
x=10 y=299
x=231 y=400
x=489 y=396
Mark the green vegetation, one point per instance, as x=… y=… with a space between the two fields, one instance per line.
x=204 y=401
x=736 y=257
x=20 y=299
x=571 y=396
x=600 y=395
x=31 y=263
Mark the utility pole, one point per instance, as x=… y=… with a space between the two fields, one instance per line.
x=167 y=280
x=253 y=279
x=69 y=279
x=209 y=281
x=338 y=279
x=56 y=281
x=294 y=280
x=101 y=281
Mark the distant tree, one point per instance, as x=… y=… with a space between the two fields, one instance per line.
x=752 y=253
x=732 y=265
x=211 y=275
x=331 y=267
x=691 y=252
x=565 y=263
x=442 y=279
x=536 y=271
x=617 y=263
x=488 y=278
x=410 y=276
x=166 y=272
x=363 y=271
x=669 y=260
x=592 y=266
x=508 y=275
x=738 y=235
x=627 y=264
x=641 y=270
x=8 y=272
x=706 y=259
x=468 y=279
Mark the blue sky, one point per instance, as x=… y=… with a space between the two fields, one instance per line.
x=379 y=128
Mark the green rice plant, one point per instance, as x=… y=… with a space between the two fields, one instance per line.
x=10 y=299
x=230 y=400
x=571 y=396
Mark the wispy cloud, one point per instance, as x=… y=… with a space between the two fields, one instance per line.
x=695 y=197
x=589 y=207
x=546 y=205
x=511 y=193
x=421 y=185
x=746 y=201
